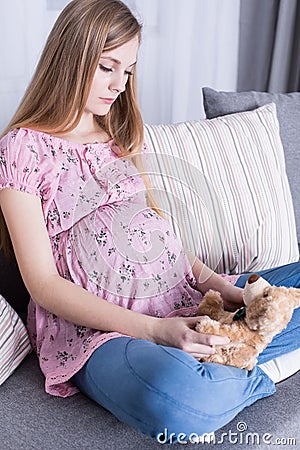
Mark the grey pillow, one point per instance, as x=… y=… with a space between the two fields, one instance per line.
x=219 y=103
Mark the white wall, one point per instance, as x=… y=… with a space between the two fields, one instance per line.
x=187 y=44
x=25 y=25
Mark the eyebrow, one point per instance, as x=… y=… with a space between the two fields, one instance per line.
x=116 y=60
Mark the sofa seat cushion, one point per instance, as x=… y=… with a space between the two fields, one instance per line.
x=32 y=419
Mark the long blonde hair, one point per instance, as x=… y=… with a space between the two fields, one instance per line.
x=57 y=94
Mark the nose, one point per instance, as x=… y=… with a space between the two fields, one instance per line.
x=254 y=287
x=118 y=83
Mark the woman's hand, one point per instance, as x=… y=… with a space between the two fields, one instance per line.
x=232 y=297
x=179 y=332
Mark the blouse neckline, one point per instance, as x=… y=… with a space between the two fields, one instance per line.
x=108 y=143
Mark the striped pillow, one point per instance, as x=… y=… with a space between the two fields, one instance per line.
x=14 y=341
x=223 y=186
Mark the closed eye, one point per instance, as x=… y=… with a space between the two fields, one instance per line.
x=105 y=69
x=109 y=69
x=127 y=72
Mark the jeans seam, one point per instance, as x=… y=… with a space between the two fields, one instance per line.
x=182 y=362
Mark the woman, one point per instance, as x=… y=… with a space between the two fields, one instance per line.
x=103 y=268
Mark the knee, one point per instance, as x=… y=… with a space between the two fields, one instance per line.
x=171 y=407
x=177 y=396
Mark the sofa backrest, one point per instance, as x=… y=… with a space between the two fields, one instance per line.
x=219 y=103
x=223 y=185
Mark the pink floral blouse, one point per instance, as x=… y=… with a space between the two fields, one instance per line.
x=103 y=237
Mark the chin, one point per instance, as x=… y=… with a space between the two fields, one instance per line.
x=102 y=114
x=102 y=111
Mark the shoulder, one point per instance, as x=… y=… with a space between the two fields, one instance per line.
x=17 y=139
x=16 y=136
x=24 y=144
x=24 y=160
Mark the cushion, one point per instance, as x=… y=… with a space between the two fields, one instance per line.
x=288 y=111
x=223 y=186
x=14 y=340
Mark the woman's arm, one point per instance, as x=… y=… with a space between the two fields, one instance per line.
x=24 y=218
x=208 y=279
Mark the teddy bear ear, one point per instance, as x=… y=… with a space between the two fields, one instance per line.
x=254 y=288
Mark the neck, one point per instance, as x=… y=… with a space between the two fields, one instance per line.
x=87 y=131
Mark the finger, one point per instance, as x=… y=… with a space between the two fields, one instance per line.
x=199 y=349
x=210 y=339
x=199 y=356
x=192 y=321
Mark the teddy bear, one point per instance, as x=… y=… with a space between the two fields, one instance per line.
x=267 y=311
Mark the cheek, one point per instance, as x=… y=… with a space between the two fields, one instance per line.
x=93 y=93
x=98 y=85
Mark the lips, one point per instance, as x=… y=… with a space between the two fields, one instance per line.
x=107 y=101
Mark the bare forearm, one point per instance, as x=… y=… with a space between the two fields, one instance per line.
x=207 y=279
x=73 y=303
x=25 y=221
x=77 y=305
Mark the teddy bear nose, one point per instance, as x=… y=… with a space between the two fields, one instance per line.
x=253 y=278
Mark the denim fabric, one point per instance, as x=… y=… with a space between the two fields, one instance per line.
x=163 y=391
x=289 y=339
x=156 y=388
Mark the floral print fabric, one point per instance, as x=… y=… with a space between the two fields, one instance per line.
x=104 y=238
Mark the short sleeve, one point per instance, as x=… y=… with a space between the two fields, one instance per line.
x=19 y=162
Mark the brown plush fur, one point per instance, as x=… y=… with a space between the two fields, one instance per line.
x=267 y=315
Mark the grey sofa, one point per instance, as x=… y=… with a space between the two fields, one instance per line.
x=31 y=419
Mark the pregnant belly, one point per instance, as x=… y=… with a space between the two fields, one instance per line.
x=127 y=250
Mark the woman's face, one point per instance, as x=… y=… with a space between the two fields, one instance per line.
x=114 y=69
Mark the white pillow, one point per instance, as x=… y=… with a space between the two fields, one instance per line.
x=222 y=184
x=14 y=340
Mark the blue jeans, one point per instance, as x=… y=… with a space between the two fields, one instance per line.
x=289 y=339
x=163 y=391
